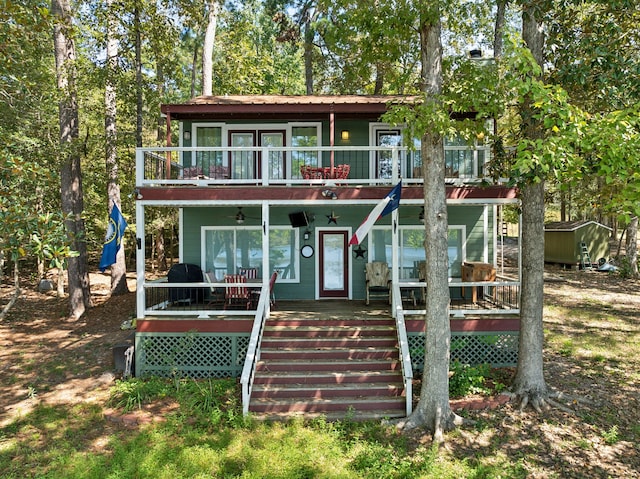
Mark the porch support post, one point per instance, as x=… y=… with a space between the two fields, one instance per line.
x=167 y=166
x=395 y=274
x=140 y=260
x=332 y=136
x=485 y=232
x=265 y=243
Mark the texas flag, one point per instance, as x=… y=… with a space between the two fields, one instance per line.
x=386 y=206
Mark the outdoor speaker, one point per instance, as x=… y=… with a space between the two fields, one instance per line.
x=298 y=219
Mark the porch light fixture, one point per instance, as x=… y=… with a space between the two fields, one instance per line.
x=344 y=135
x=330 y=194
x=307 y=235
x=240 y=216
x=186 y=135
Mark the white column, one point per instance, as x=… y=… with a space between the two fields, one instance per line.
x=266 y=274
x=140 y=259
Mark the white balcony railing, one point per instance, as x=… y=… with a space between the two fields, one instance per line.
x=296 y=165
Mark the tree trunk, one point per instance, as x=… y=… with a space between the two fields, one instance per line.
x=308 y=56
x=119 y=268
x=70 y=171
x=161 y=122
x=207 y=52
x=433 y=410
x=138 y=53
x=379 y=85
x=529 y=384
x=60 y=283
x=632 y=246
x=16 y=292
x=160 y=248
x=499 y=28
x=194 y=69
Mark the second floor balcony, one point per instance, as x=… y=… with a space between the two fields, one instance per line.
x=291 y=166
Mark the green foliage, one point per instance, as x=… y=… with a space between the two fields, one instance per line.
x=624 y=267
x=133 y=393
x=467 y=379
x=611 y=436
x=209 y=401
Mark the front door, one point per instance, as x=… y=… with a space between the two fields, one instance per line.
x=333 y=264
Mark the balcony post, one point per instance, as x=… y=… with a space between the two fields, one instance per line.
x=266 y=174
x=140 y=260
x=394 y=165
x=332 y=136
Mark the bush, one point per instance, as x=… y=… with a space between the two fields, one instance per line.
x=467 y=379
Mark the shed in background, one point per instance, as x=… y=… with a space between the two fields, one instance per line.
x=562 y=241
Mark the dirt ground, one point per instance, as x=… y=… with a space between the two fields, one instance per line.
x=47 y=359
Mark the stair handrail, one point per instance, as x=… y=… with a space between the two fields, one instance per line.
x=403 y=346
x=253 y=350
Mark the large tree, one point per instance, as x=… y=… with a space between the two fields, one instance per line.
x=119 y=268
x=70 y=166
x=213 y=8
x=433 y=410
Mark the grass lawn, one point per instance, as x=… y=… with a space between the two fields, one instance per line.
x=592 y=331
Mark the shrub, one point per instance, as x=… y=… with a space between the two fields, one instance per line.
x=467 y=379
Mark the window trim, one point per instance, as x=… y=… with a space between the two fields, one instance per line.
x=235 y=229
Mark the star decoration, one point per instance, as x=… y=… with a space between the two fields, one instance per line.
x=332 y=218
x=360 y=251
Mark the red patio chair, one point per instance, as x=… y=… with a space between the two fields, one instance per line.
x=272 y=293
x=236 y=295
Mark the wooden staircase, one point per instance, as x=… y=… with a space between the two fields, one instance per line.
x=337 y=368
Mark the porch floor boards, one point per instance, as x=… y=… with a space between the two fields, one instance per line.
x=339 y=360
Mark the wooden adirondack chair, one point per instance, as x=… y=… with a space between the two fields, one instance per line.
x=378 y=280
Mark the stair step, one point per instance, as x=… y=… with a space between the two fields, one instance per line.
x=315 y=378
x=326 y=332
x=329 y=366
x=369 y=415
x=363 y=390
x=328 y=354
x=317 y=343
x=315 y=405
x=335 y=368
x=337 y=323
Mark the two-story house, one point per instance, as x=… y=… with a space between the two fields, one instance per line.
x=279 y=184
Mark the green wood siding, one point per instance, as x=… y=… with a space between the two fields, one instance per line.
x=194 y=218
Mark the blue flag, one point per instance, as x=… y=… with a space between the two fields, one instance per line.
x=113 y=238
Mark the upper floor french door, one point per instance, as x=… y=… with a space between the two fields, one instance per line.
x=247 y=164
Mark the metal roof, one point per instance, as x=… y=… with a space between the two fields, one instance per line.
x=571 y=225
x=285 y=106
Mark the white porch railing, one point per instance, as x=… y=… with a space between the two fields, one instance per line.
x=296 y=165
x=403 y=346
x=485 y=298
x=162 y=298
x=253 y=350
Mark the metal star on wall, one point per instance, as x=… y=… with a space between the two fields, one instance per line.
x=360 y=251
x=332 y=218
